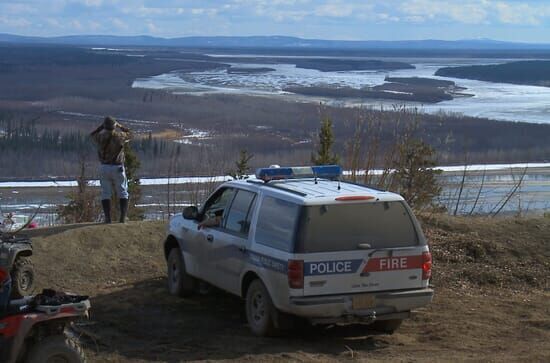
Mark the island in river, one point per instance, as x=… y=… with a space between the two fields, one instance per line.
x=414 y=89
x=534 y=73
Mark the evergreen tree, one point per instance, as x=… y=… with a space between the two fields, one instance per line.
x=83 y=203
x=242 y=168
x=414 y=174
x=132 y=165
x=324 y=154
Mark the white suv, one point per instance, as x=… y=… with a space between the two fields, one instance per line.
x=299 y=242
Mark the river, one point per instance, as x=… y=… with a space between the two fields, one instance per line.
x=500 y=101
x=486 y=189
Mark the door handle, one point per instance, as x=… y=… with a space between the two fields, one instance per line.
x=210 y=238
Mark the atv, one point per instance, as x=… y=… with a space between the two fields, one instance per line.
x=15 y=252
x=36 y=329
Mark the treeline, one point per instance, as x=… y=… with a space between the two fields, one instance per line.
x=522 y=72
x=17 y=56
x=24 y=136
x=30 y=151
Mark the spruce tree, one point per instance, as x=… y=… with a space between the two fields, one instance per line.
x=132 y=165
x=241 y=166
x=416 y=179
x=324 y=154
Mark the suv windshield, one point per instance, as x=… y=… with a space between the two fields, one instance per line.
x=342 y=227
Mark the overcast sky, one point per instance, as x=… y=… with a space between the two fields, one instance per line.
x=516 y=20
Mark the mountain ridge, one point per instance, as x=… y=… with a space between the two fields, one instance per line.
x=275 y=41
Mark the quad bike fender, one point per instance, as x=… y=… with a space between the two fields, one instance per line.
x=22 y=325
x=10 y=251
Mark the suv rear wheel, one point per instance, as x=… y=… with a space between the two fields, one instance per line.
x=179 y=282
x=260 y=311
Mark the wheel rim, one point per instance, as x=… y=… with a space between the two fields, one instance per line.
x=25 y=280
x=257 y=308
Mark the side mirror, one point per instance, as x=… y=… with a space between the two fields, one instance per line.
x=191 y=212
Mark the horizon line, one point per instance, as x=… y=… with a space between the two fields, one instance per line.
x=481 y=39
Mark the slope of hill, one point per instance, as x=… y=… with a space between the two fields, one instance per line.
x=490 y=276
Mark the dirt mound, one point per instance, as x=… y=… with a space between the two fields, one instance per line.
x=491 y=301
x=505 y=253
x=93 y=258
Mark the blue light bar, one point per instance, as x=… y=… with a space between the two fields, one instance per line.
x=297 y=172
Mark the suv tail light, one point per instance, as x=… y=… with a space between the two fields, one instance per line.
x=296 y=274
x=426 y=265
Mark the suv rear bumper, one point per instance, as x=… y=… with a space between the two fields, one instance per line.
x=339 y=308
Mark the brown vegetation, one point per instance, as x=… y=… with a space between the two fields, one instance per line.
x=491 y=302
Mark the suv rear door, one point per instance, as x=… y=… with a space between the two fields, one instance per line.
x=360 y=247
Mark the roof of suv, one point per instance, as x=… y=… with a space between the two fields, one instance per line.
x=311 y=191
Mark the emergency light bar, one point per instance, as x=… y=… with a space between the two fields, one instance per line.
x=297 y=172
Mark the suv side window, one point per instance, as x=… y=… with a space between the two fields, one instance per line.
x=216 y=207
x=277 y=221
x=238 y=219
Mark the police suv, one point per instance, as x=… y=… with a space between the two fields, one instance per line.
x=300 y=242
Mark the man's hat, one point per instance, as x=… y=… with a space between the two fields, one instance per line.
x=109 y=123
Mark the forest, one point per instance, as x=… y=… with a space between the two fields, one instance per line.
x=535 y=73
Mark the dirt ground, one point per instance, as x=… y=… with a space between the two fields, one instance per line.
x=492 y=300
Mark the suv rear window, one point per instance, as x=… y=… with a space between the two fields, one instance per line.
x=342 y=227
x=276 y=224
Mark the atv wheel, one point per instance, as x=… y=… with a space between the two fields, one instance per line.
x=179 y=282
x=260 y=311
x=56 y=349
x=22 y=277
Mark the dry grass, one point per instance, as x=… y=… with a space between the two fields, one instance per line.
x=502 y=317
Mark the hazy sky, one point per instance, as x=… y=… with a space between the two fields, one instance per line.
x=517 y=20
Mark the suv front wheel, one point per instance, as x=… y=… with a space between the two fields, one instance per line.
x=179 y=282
x=260 y=311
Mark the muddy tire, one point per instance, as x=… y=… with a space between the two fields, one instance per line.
x=386 y=326
x=56 y=348
x=179 y=282
x=260 y=311
x=22 y=278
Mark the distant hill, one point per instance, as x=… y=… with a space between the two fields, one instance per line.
x=535 y=73
x=272 y=42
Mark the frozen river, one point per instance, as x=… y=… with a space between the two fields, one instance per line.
x=491 y=100
x=486 y=188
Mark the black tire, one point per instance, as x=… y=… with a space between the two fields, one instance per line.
x=260 y=311
x=22 y=278
x=386 y=326
x=179 y=282
x=56 y=348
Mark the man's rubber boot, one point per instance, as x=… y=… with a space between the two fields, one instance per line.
x=123 y=210
x=106 y=204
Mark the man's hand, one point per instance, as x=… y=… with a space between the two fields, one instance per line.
x=100 y=127
x=123 y=128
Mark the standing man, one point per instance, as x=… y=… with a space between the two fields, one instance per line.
x=110 y=138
